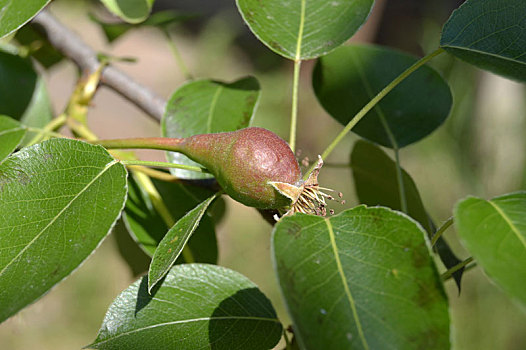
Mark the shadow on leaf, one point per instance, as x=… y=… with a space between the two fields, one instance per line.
x=143 y=297
x=245 y=320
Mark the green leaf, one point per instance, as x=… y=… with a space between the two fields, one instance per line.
x=131 y=11
x=168 y=17
x=363 y=279
x=174 y=241
x=138 y=261
x=58 y=200
x=23 y=94
x=39 y=111
x=38 y=45
x=113 y=31
x=494 y=231
x=206 y=106
x=376 y=183
x=11 y=134
x=196 y=307
x=489 y=34
x=19 y=82
x=301 y=29
x=147 y=226
x=15 y=13
x=348 y=78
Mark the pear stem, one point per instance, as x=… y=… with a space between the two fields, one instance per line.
x=163 y=165
x=160 y=143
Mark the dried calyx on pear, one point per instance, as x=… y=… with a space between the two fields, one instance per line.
x=306 y=196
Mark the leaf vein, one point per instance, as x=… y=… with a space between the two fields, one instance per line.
x=345 y=284
x=38 y=235
x=222 y=318
x=513 y=228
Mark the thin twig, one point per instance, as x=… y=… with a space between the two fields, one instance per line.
x=449 y=273
x=72 y=46
x=441 y=230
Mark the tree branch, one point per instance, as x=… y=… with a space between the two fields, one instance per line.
x=72 y=46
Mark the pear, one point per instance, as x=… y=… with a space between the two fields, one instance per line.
x=245 y=163
x=253 y=165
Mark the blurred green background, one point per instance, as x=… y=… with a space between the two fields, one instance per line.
x=481 y=150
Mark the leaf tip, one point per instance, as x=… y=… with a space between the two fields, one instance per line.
x=151 y=283
x=90 y=346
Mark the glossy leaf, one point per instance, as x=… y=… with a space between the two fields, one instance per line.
x=11 y=134
x=132 y=11
x=302 y=29
x=206 y=106
x=494 y=231
x=490 y=34
x=15 y=13
x=348 y=78
x=58 y=200
x=174 y=241
x=376 y=183
x=148 y=227
x=363 y=279
x=196 y=307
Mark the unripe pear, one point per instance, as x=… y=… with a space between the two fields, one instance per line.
x=253 y=166
x=245 y=163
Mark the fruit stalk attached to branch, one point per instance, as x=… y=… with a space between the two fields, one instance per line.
x=253 y=166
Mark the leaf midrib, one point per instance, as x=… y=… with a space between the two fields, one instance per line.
x=371 y=95
x=300 y=30
x=212 y=109
x=9 y=131
x=513 y=228
x=201 y=209
x=251 y=318
x=463 y=48
x=350 y=298
x=108 y=166
x=4 y=10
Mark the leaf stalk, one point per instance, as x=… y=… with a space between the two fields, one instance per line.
x=177 y=56
x=163 y=165
x=294 y=111
x=370 y=105
x=449 y=273
x=441 y=230
x=51 y=127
